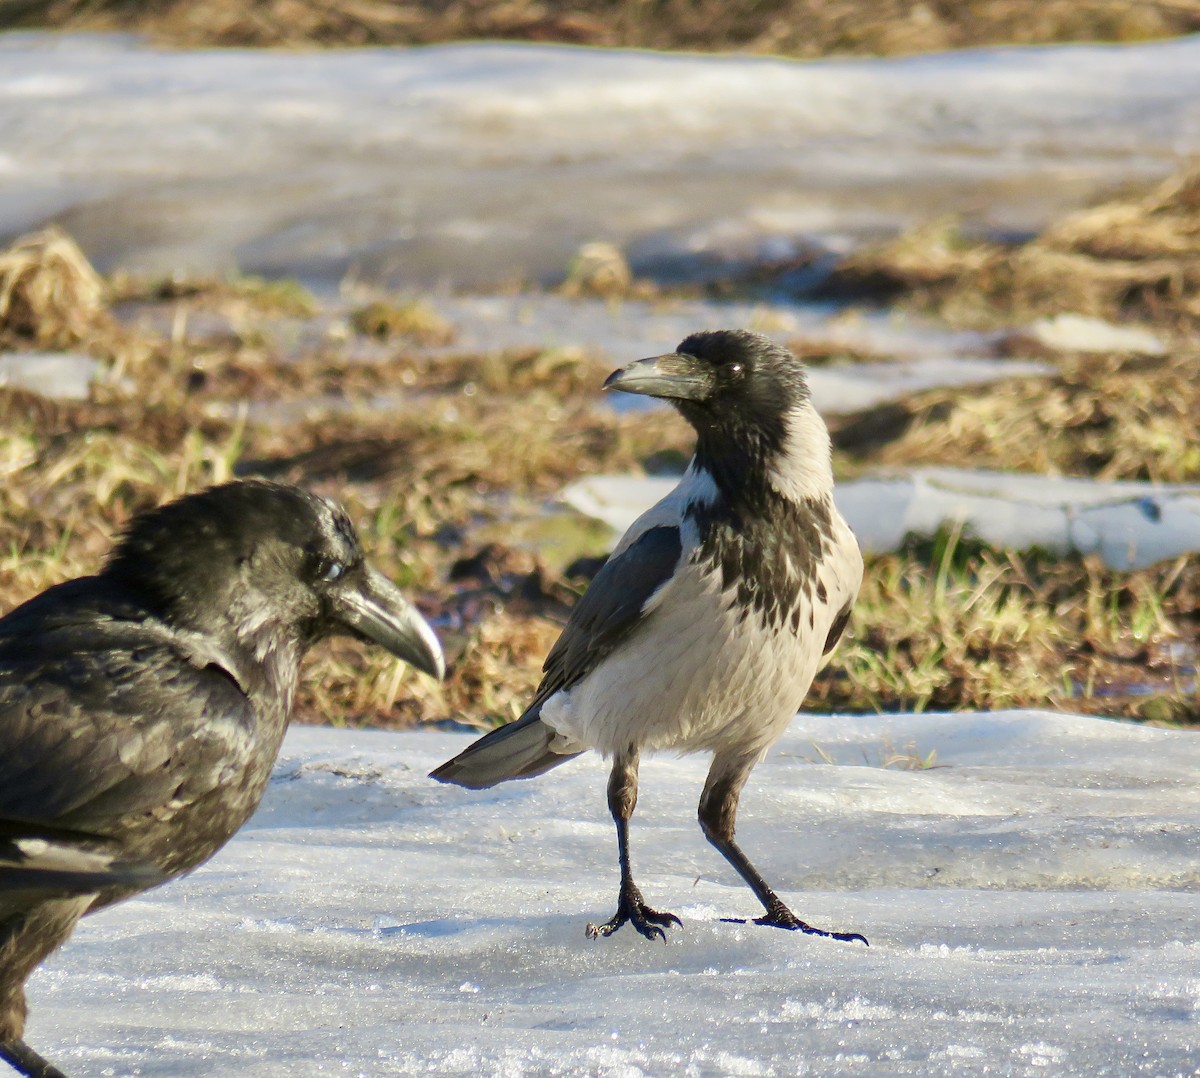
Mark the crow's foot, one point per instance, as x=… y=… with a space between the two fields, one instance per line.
x=779 y=916
x=632 y=907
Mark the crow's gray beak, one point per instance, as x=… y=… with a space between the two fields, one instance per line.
x=674 y=376
x=373 y=608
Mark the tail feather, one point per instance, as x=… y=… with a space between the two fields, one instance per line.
x=519 y=750
x=43 y=858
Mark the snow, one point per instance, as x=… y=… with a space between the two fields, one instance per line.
x=1128 y=524
x=922 y=355
x=480 y=163
x=1080 y=333
x=638 y=327
x=1030 y=901
x=62 y=375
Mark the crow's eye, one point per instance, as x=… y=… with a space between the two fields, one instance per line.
x=330 y=570
x=735 y=369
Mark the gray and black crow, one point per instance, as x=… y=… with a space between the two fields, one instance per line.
x=141 y=709
x=706 y=625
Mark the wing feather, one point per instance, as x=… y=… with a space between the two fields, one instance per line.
x=101 y=718
x=624 y=592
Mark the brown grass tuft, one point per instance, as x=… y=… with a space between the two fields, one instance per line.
x=414 y=320
x=601 y=269
x=1109 y=418
x=789 y=27
x=1127 y=259
x=50 y=296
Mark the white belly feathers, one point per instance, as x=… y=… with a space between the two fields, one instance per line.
x=700 y=673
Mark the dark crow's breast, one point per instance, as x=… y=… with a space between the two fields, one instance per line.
x=769 y=555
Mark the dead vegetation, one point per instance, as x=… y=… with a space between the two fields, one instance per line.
x=50 y=296
x=464 y=444
x=785 y=27
x=949 y=624
x=1131 y=259
x=601 y=269
x=234 y=295
x=413 y=319
x=448 y=479
x=1105 y=417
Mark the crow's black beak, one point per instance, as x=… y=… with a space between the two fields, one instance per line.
x=373 y=608
x=675 y=376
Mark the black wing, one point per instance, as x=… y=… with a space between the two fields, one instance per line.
x=836 y=629
x=102 y=718
x=612 y=607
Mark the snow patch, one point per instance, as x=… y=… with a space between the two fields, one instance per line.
x=1128 y=524
x=1048 y=924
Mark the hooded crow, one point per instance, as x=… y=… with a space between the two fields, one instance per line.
x=141 y=709
x=706 y=625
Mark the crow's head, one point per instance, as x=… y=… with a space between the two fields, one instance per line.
x=266 y=568
x=748 y=401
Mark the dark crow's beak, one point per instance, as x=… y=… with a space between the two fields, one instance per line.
x=675 y=376
x=372 y=607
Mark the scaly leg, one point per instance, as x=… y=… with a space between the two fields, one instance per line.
x=26 y=937
x=718 y=815
x=631 y=907
x=26 y=1061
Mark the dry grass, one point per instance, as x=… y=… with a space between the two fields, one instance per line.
x=415 y=320
x=1105 y=417
x=601 y=269
x=234 y=295
x=949 y=625
x=1129 y=259
x=448 y=481
x=788 y=27
x=49 y=294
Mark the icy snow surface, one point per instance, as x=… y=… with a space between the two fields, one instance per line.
x=63 y=375
x=921 y=354
x=1031 y=904
x=1130 y=524
x=485 y=162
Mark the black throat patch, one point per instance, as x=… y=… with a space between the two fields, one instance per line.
x=768 y=550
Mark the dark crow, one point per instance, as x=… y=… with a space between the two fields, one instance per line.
x=141 y=709
x=705 y=627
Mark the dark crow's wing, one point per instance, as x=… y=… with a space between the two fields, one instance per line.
x=104 y=719
x=612 y=607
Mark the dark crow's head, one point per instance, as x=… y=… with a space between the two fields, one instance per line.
x=746 y=397
x=267 y=569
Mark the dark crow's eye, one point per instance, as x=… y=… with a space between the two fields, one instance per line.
x=735 y=369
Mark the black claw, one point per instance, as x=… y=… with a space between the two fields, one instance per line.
x=779 y=916
x=632 y=907
x=796 y=925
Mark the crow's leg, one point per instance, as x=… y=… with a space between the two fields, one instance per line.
x=718 y=815
x=25 y=939
x=631 y=907
x=26 y=1061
